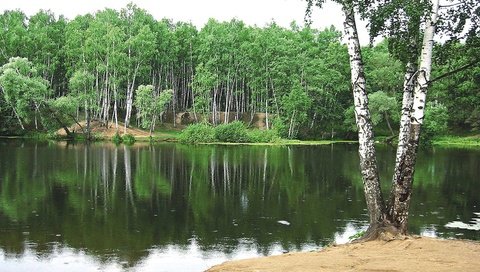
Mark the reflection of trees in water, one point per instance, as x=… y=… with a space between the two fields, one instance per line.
x=123 y=201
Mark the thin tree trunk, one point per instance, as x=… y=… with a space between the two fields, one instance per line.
x=292 y=125
x=227 y=97
x=388 y=124
x=313 y=120
x=36 y=122
x=87 y=118
x=266 y=100
x=366 y=149
x=18 y=118
x=106 y=101
x=115 y=107
x=214 y=106
x=129 y=105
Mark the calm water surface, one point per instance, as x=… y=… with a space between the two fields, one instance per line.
x=101 y=207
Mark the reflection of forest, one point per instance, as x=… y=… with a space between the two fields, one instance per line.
x=122 y=201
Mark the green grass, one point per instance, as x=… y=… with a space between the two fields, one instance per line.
x=172 y=135
x=458 y=141
x=283 y=142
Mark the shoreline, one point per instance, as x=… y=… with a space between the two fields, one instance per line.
x=409 y=254
x=443 y=141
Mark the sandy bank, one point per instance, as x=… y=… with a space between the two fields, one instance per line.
x=411 y=254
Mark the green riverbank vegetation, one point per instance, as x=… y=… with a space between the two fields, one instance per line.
x=125 y=70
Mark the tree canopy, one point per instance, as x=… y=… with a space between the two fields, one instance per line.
x=297 y=77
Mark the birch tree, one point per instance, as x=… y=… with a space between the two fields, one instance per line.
x=406 y=155
x=22 y=89
x=366 y=150
x=140 y=45
x=81 y=85
x=395 y=213
x=150 y=106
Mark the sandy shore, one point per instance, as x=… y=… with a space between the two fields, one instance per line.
x=412 y=254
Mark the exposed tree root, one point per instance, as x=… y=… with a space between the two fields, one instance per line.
x=382 y=233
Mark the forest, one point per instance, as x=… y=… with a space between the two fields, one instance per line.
x=125 y=68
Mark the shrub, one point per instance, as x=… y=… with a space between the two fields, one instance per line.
x=280 y=127
x=117 y=139
x=234 y=132
x=197 y=133
x=263 y=136
x=128 y=139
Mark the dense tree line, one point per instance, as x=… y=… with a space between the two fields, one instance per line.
x=106 y=65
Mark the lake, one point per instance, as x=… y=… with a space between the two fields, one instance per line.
x=171 y=207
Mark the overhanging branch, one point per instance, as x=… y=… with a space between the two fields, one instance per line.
x=455 y=71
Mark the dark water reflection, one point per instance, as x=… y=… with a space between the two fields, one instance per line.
x=80 y=207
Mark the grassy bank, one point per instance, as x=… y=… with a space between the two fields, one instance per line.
x=457 y=141
x=284 y=142
x=229 y=134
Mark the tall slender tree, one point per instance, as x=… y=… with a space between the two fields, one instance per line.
x=395 y=212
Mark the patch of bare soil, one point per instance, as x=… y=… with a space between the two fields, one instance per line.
x=182 y=119
x=98 y=128
x=410 y=254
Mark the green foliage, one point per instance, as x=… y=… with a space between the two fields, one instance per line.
x=349 y=119
x=468 y=141
x=458 y=92
x=280 y=127
x=7 y=118
x=474 y=120
x=145 y=104
x=383 y=107
x=149 y=104
x=82 y=85
x=24 y=92
x=296 y=105
x=435 y=122
x=357 y=235
x=382 y=70
x=384 y=110
x=66 y=104
x=298 y=75
x=263 y=136
x=197 y=133
x=234 y=132
x=202 y=84
x=117 y=139
x=162 y=100
x=128 y=139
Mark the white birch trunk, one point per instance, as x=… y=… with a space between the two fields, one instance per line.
x=366 y=149
x=410 y=130
x=421 y=86
x=130 y=90
x=403 y=167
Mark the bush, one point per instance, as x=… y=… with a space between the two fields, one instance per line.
x=234 y=132
x=263 y=136
x=117 y=139
x=128 y=139
x=197 y=133
x=281 y=128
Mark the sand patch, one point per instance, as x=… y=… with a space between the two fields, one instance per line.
x=411 y=254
